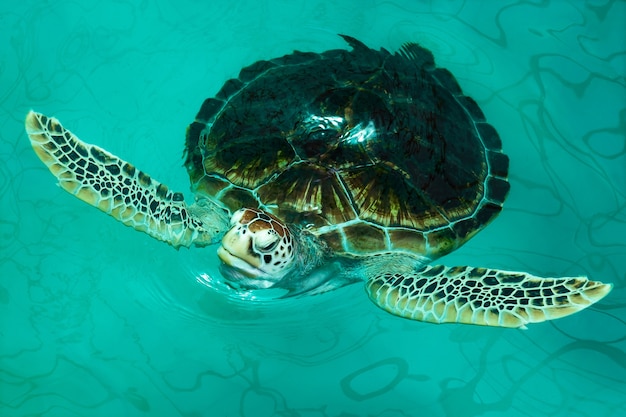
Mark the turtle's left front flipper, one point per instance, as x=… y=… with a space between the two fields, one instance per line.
x=488 y=297
x=119 y=189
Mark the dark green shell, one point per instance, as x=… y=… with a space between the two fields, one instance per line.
x=371 y=151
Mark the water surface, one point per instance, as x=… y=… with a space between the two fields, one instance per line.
x=99 y=320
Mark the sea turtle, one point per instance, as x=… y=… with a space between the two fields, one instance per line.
x=318 y=170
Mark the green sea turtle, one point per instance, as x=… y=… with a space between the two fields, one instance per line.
x=320 y=170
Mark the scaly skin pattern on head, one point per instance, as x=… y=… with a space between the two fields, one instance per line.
x=258 y=244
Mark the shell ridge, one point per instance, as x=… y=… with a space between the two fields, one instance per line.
x=422 y=57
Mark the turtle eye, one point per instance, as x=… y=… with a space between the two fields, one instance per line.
x=267 y=242
x=269 y=247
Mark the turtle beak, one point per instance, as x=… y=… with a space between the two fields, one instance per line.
x=237 y=263
x=236 y=252
x=238 y=242
x=240 y=273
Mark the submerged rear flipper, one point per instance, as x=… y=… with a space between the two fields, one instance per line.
x=120 y=190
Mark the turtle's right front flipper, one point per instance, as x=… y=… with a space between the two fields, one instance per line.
x=120 y=190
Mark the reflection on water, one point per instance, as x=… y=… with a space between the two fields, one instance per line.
x=96 y=319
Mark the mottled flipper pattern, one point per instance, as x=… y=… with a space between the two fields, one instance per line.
x=488 y=297
x=116 y=187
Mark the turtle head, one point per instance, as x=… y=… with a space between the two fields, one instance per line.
x=258 y=250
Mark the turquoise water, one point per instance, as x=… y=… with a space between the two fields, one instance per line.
x=99 y=320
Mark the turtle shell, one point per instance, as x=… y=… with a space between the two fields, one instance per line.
x=370 y=151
